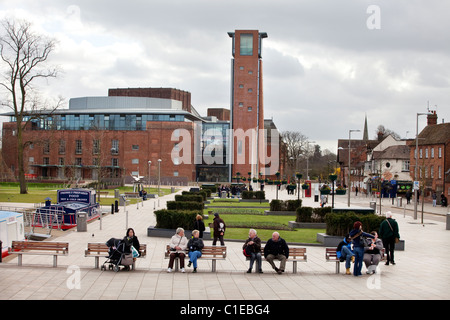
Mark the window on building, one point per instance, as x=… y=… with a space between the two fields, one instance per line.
x=420 y=153
x=78 y=162
x=241 y=68
x=439 y=172
x=426 y=153
x=135 y=147
x=46 y=161
x=115 y=147
x=96 y=146
x=78 y=147
x=62 y=146
x=440 y=152
x=114 y=162
x=432 y=152
x=246 y=44
x=134 y=161
x=405 y=165
x=250 y=90
x=249 y=109
x=241 y=104
x=241 y=86
x=432 y=172
x=46 y=147
x=175 y=173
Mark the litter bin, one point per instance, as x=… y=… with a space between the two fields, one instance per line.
x=223 y=194
x=316 y=198
x=373 y=205
x=81 y=221
x=399 y=201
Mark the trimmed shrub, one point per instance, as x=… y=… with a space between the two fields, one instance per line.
x=304 y=214
x=189 y=197
x=340 y=224
x=253 y=195
x=276 y=205
x=172 y=219
x=288 y=205
x=319 y=213
x=184 y=205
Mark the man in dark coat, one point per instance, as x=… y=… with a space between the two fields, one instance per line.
x=219 y=229
x=388 y=233
x=276 y=248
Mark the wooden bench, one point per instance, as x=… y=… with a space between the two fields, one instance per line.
x=39 y=248
x=132 y=195
x=97 y=250
x=212 y=253
x=331 y=256
x=295 y=255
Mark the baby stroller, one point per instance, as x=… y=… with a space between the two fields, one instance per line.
x=119 y=254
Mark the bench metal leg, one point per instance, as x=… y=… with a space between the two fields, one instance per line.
x=96 y=262
x=338 y=265
x=55 y=261
x=177 y=259
x=19 y=260
x=213 y=266
x=294 y=266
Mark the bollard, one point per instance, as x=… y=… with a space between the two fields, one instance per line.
x=112 y=208
x=448 y=221
x=116 y=204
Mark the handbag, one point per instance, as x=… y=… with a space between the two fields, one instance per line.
x=397 y=240
x=134 y=252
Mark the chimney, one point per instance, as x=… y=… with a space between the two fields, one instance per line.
x=432 y=118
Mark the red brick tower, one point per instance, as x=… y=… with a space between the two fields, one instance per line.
x=247 y=111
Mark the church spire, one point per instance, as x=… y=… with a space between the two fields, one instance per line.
x=366 y=132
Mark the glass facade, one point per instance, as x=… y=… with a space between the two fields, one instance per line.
x=215 y=149
x=100 y=121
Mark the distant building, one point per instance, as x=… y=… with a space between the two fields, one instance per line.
x=433 y=160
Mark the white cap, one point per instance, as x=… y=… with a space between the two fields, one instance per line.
x=388 y=214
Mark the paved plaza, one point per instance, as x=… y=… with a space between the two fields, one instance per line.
x=422 y=270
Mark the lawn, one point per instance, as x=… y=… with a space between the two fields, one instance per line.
x=38 y=192
x=239 y=218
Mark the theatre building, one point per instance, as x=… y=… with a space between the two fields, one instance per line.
x=147 y=132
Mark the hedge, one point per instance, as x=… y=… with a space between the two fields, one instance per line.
x=340 y=224
x=189 y=197
x=172 y=219
x=254 y=195
x=184 y=205
x=289 y=205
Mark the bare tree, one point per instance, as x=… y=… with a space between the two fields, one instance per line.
x=24 y=56
x=296 y=144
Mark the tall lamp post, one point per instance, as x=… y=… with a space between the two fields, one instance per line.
x=416 y=154
x=159 y=177
x=349 y=163
x=149 y=164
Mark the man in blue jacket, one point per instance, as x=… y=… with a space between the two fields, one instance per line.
x=276 y=248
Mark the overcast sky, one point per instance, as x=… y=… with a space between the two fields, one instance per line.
x=326 y=63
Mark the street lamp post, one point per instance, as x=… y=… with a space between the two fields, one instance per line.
x=149 y=164
x=349 y=181
x=416 y=154
x=159 y=177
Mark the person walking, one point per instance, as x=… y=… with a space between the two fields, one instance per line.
x=219 y=229
x=199 y=225
x=388 y=233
